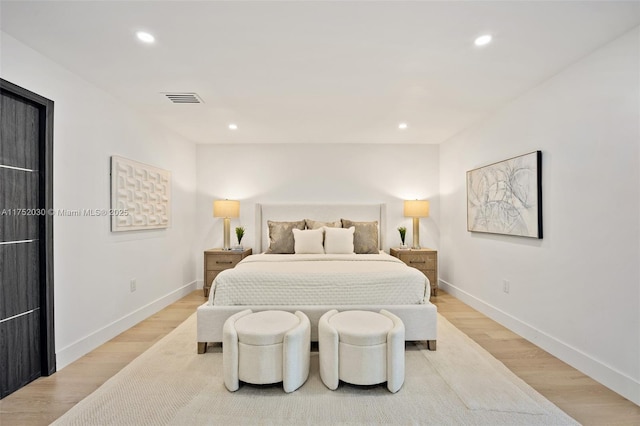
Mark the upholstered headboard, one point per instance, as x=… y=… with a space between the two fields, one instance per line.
x=320 y=212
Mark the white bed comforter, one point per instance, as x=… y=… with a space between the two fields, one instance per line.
x=309 y=279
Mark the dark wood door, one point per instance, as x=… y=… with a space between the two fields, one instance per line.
x=26 y=285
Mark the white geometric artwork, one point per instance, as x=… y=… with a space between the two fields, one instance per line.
x=140 y=196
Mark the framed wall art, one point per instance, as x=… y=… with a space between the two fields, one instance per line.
x=506 y=197
x=140 y=195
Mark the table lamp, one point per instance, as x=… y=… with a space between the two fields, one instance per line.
x=416 y=209
x=226 y=209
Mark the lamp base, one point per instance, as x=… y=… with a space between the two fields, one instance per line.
x=227 y=227
x=416 y=233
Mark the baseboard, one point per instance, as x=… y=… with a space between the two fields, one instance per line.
x=609 y=377
x=77 y=349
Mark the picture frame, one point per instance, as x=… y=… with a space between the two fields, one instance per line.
x=506 y=197
x=140 y=196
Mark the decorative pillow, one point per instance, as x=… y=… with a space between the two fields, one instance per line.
x=365 y=240
x=314 y=224
x=308 y=241
x=338 y=240
x=281 y=236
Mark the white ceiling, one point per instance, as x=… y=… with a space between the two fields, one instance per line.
x=324 y=72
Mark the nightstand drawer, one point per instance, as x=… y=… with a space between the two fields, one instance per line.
x=420 y=260
x=220 y=262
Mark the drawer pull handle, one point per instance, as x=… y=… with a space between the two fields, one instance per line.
x=224 y=262
x=417 y=261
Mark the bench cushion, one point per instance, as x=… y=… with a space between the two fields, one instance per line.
x=265 y=328
x=361 y=328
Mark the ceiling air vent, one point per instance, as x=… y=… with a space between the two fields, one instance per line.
x=184 y=98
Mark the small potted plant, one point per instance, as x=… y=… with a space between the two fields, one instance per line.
x=239 y=235
x=403 y=234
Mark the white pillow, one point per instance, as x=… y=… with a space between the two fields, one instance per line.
x=338 y=240
x=308 y=242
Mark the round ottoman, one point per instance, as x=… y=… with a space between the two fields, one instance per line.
x=266 y=347
x=361 y=348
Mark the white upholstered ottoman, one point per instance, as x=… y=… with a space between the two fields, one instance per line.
x=361 y=348
x=266 y=347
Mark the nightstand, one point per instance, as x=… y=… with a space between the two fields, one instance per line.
x=425 y=259
x=217 y=260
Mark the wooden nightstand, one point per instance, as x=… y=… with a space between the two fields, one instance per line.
x=217 y=260
x=426 y=260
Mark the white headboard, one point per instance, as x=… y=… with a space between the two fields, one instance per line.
x=320 y=212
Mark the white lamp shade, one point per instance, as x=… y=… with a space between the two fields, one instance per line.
x=226 y=208
x=416 y=208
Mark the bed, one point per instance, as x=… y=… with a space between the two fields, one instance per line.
x=315 y=279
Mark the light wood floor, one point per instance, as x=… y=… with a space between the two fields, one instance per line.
x=590 y=403
x=584 y=399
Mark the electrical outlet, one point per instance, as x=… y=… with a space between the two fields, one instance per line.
x=505 y=286
x=132 y=285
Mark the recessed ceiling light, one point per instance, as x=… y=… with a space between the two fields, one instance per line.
x=402 y=126
x=483 y=40
x=145 y=37
x=233 y=126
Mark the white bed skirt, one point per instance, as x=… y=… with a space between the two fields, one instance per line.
x=420 y=321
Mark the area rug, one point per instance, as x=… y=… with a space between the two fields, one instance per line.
x=459 y=384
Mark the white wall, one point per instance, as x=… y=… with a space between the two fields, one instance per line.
x=92 y=266
x=576 y=292
x=321 y=173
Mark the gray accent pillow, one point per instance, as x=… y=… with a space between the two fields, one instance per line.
x=365 y=239
x=314 y=224
x=281 y=236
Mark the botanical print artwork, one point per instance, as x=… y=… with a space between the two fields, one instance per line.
x=505 y=197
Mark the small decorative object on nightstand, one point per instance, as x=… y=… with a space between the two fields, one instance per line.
x=217 y=260
x=403 y=234
x=424 y=259
x=239 y=235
